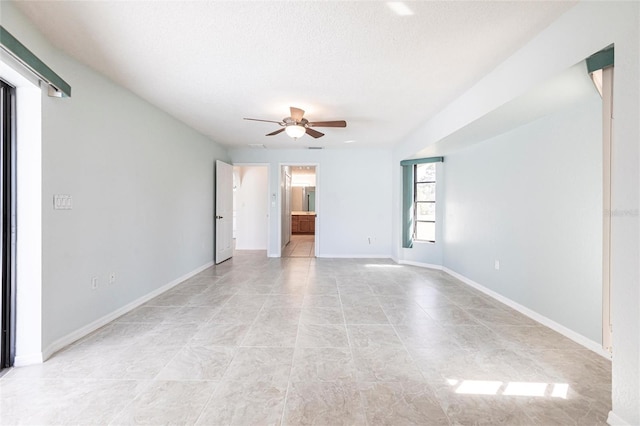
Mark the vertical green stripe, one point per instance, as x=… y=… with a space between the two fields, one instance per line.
x=407 y=206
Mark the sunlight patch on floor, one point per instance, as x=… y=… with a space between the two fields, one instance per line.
x=494 y=387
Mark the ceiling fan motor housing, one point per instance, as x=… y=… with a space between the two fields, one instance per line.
x=291 y=122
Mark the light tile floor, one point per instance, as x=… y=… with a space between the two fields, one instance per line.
x=300 y=246
x=315 y=341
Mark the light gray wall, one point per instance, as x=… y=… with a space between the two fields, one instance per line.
x=252 y=209
x=142 y=187
x=583 y=30
x=532 y=199
x=353 y=193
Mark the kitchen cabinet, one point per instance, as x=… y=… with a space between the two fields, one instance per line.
x=303 y=223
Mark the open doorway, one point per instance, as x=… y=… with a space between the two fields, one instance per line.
x=300 y=216
x=250 y=207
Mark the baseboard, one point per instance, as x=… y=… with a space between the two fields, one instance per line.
x=23 y=360
x=614 y=420
x=578 y=338
x=354 y=256
x=101 y=322
x=419 y=264
x=251 y=248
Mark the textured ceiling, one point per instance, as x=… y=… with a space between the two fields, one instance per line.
x=212 y=63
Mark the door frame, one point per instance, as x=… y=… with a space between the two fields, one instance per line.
x=8 y=182
x=316 y=236
x=608 y=79
x=267 y=197
x=29 y=204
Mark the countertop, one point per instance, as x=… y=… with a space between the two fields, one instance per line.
x=300 y=213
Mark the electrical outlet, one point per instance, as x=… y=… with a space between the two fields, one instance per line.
x=112 y=278
x=94 y=283
x=496 y=265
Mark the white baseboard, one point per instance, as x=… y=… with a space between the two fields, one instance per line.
x=101 y=322
x=251 y=248
x=614 y=420
x=354 y=256
x=419 y=264
x=578 y=338
x=30 y=359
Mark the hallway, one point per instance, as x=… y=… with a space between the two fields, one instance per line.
x=300 y=246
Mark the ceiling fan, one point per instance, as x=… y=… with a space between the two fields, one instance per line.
x=296 y=126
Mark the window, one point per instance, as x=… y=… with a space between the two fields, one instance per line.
x=424 y=202
x=419 y=200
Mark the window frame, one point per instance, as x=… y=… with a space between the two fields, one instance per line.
x=416 y=202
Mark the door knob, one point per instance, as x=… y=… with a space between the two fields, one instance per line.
x=219 y=217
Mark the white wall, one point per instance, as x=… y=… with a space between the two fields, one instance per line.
x=352 y=198
x=142 y=187
x=583 y=30
x=251 y=197
x=532 y=199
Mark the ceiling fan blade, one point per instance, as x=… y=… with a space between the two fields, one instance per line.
x=266 y=121
x=314 y=133
x=340 y=123
x=275 y=133
x=296 y=114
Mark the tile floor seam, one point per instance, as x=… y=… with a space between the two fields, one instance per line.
x=255 y=321
x=293 y=358
x=353 y=359
x=206 y=404
x=127 y=405
x=424 y=378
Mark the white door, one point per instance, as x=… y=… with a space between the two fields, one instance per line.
x=224 y=211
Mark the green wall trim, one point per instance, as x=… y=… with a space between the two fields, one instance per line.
x=600 y=60
x=16 y=49
x=407 y=206
x=422 y=161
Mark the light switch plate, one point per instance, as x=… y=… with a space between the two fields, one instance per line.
x=62 y=202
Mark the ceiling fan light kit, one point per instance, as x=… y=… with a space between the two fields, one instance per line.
x=296 y=126
x=295 y=130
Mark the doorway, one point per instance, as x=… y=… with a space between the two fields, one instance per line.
x=251 y=207
x=299 y=219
